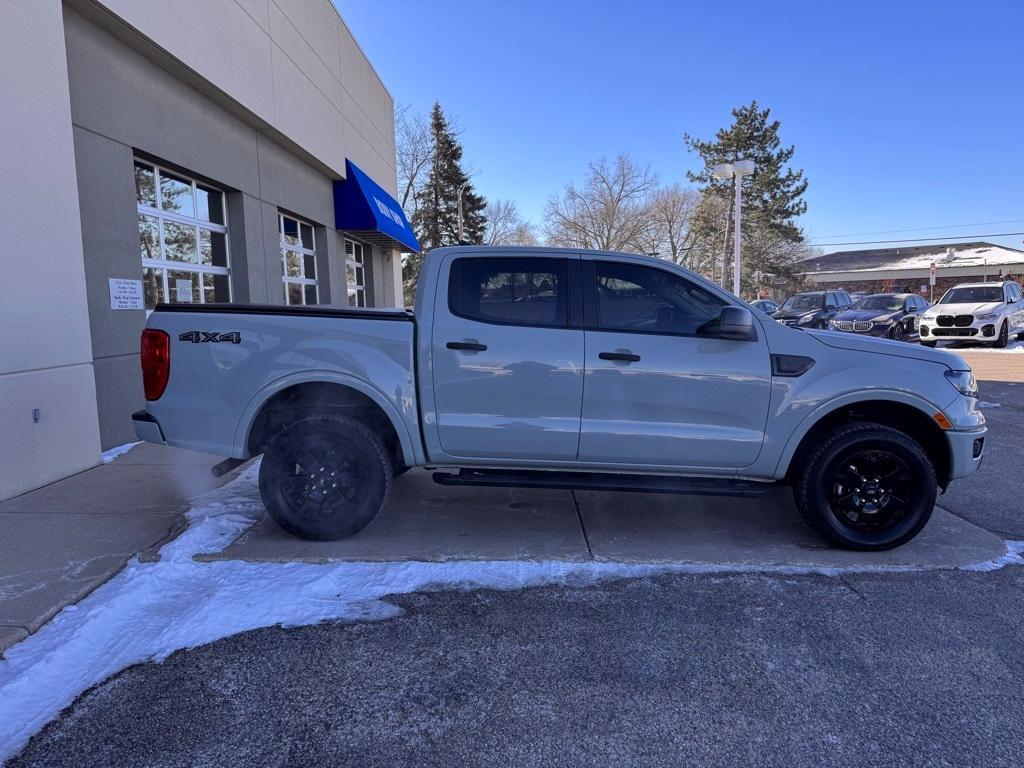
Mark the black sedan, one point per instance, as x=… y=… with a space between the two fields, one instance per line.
x=890 y=315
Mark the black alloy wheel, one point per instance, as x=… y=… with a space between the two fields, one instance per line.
x=870 y=489
x=898 y=332
x=325 y=477
x=866 y=486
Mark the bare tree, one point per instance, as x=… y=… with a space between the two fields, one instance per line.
x=709 y=235
x=506 y=226
x=414 y=150
x=608 y=213
x=669 y=212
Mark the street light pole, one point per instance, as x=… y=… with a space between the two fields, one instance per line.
x=736 y=171
x=461 y=190
x=736 y=238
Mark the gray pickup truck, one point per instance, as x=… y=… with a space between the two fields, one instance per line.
x=550 y=368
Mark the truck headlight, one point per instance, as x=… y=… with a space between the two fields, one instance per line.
x=963 y=382
x=805 y=319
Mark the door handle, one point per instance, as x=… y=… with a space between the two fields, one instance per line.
x=469 y=346
x=626 y=357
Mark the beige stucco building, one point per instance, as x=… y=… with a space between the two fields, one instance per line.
x=191 y=151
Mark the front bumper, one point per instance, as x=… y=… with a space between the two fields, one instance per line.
x=880 y=331
x=147 y=428
x=979 y=330
x=966 y=451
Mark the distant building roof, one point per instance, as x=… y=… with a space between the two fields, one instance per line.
x=915 y=257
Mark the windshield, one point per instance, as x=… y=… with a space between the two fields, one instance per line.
x=977 y=295
x=804 y=301
x=887 y=303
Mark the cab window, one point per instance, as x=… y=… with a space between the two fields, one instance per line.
x=510 y=291
x=631 y=297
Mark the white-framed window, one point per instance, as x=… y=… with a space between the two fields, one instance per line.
x=183 y=238
x=298 y=260
x=355 y=272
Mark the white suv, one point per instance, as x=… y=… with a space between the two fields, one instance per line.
x=991 y=312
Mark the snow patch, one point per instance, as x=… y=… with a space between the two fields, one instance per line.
x=117 y=450
x=986 y=404
x=1014 y=556
x=150 y=610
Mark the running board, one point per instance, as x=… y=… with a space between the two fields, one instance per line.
x=602 y=481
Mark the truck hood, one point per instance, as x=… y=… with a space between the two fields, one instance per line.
x=857 y=343
x=973 y=308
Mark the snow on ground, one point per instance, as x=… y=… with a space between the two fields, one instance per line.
x=117 y=450
x=150 y=610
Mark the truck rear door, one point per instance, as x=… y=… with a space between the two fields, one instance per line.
x=507 y=370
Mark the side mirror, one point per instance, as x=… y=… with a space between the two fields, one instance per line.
x=736 y=323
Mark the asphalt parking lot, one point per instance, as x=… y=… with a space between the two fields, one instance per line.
x=781 y=669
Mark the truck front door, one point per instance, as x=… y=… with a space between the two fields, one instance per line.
x=661 y=388
x=507 y=370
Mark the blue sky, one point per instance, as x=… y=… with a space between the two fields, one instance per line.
x=905 y=115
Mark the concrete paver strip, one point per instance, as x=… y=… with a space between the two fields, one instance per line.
x=428 y=522
x=52 y=560
x=119 y=488
x=766 y=531
x=60 y=542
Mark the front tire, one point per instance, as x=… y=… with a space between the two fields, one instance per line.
x=898 y=332
x=325 y=477
x=866 y=487
x=1004 y=337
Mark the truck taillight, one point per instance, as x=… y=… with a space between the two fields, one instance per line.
x=156 y=362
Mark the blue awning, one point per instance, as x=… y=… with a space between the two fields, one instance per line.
x=363 y=208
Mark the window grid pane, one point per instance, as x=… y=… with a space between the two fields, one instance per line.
x=182 y=238
x=298 y=260
x=354 y=274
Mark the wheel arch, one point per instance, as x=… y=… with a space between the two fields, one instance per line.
x=288 y=398
x=907 y=413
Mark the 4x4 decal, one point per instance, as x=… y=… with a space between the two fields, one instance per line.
x=200 y=336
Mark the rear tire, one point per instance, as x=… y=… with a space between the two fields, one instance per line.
x=325 y=477
x=866 y=486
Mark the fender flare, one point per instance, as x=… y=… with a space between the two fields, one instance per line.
x=841 y=401
x=248 y=415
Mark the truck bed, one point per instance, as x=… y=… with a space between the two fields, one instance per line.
x=228 y=360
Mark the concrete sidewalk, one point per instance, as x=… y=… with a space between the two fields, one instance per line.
x=60 y=542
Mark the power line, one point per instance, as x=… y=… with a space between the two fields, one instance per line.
x=923 y=229
x=921 y=239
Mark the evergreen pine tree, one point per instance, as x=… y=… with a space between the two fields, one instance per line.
x=772 y=196
x=436 y=218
